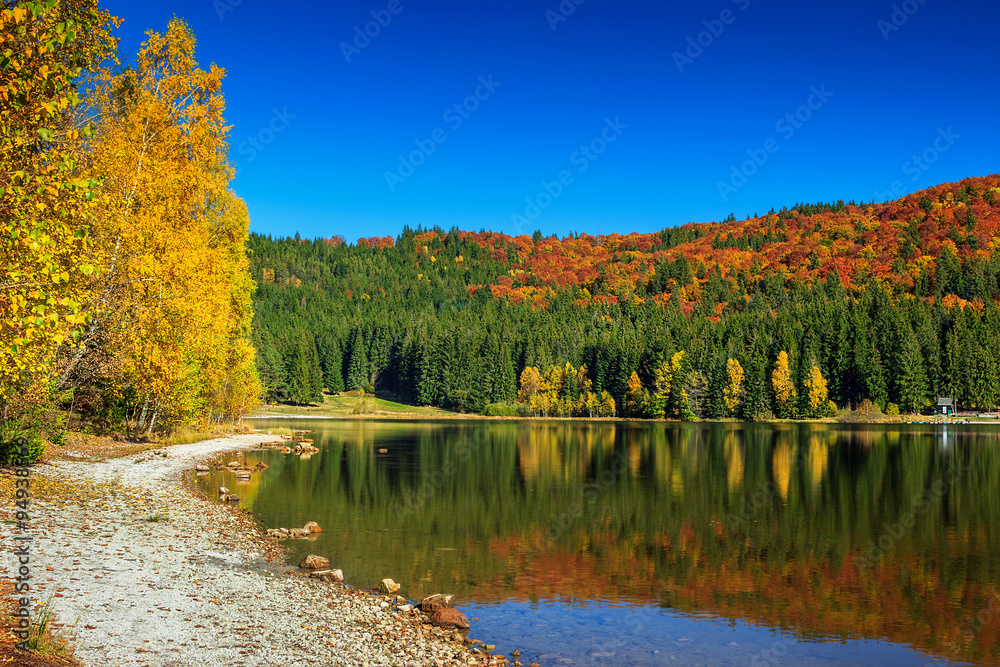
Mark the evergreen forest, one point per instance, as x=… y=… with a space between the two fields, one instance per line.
x=798 y=313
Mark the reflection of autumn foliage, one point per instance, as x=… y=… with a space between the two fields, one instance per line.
x=745 y=567
x=901 y=601
x=768 y=524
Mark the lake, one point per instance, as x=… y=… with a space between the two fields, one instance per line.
x=649 y=543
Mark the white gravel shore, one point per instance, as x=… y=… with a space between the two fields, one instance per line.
x=195 y=589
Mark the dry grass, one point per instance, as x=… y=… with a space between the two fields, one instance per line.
x=47 y=647
x=84 y=446
x=185 y=435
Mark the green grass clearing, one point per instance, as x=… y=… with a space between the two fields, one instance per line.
x=348 y=407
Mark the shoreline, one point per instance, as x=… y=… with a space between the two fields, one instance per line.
x=143 y=571
x=908 y=420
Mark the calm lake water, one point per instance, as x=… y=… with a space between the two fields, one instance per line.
x=716 y=544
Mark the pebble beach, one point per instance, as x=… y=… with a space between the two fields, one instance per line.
x=142 y=571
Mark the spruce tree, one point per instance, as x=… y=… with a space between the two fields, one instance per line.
x=911 y=378
x=357 y=369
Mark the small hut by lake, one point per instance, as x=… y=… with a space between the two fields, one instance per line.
x=945 y=406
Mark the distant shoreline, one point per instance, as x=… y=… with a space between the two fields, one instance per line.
x=910 y=420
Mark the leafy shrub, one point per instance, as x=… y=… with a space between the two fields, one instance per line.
x=502 y=410
x=892 y=410
x=10 y=450
x=868 y=408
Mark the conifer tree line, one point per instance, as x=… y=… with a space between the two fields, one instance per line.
x=463 y=321
x=125 y=292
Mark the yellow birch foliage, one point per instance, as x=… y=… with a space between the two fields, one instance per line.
x=46 y=266
x=816 y=392
x=663 y=379
x=608 y=408
x=531 y=381
x=173 y=235
x=784 y=388
x=636 y=399
x=732 y=393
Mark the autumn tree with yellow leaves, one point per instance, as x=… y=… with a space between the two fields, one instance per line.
x=784 y=387
x=817 y=403
x=174 y=310
x=563 y=391
x=46 y=198
x=124 y=274
x=734 y=389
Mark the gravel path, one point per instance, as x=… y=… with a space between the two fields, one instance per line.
x=195 y=589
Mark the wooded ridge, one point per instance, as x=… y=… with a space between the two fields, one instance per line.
x=796 y=313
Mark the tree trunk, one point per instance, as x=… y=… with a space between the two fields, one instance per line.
x=142 y=417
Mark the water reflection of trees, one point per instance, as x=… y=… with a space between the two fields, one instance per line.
x=756 y=522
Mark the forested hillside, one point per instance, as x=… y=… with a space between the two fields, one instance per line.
x=794 y=313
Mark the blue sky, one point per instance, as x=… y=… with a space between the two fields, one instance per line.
x=593 y=117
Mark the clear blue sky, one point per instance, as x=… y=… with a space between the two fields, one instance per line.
x=889 y=92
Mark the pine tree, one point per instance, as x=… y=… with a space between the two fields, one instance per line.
x=314 y=373
x=952 y=370
x=332 y=362
x=357 y=369
x=305 y=379
x=271 y=370
x=911 y=379
x=505 y=385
